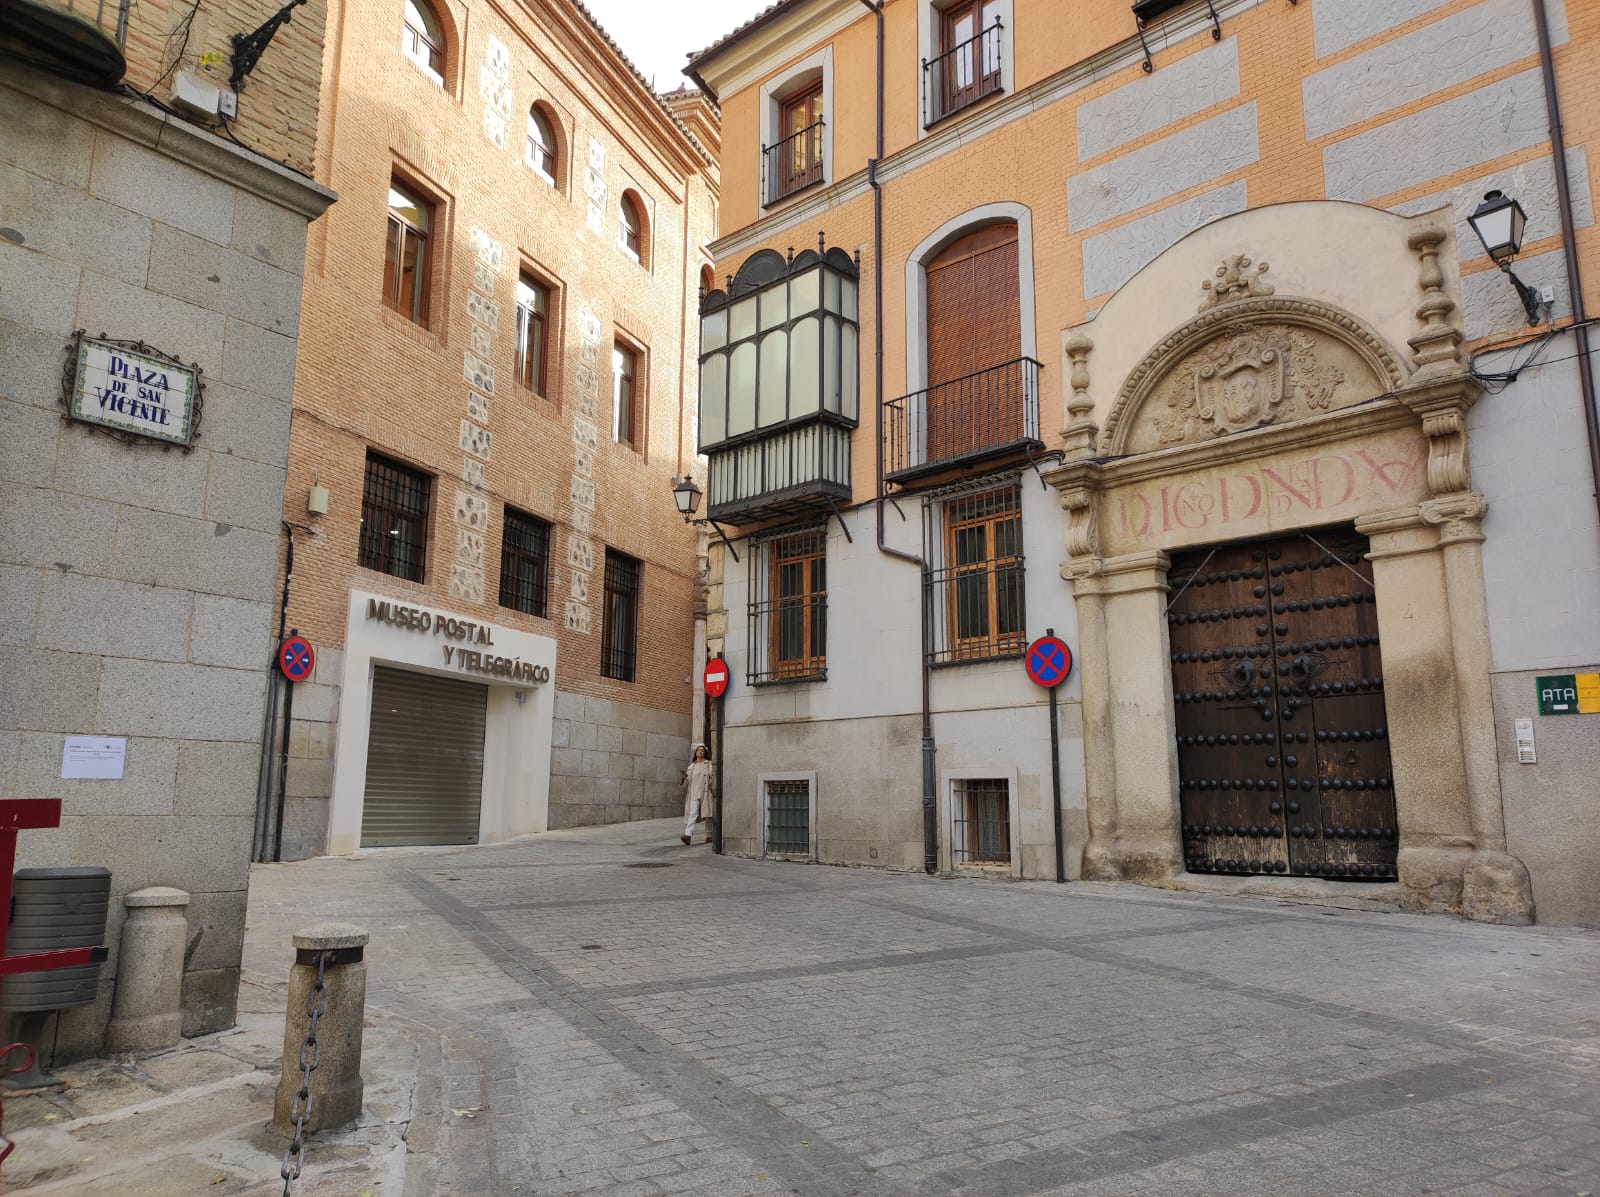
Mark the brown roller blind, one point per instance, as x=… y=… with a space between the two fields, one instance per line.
x=974 y=306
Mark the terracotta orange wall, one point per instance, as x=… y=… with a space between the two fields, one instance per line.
x=1030 y=159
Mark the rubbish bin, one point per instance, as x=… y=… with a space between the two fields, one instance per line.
x=53 y=909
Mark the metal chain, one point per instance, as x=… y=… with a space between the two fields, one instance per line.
x=310 y=1054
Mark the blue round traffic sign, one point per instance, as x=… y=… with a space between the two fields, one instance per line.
x=1049 y=660
x=297 y=658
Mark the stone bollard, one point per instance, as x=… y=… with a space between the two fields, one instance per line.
x=336 y=1087
x=147 y=1007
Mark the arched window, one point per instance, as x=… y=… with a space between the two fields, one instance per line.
x=630 y=227
x=708 y=281
x=422 y=39
x=974 y=339
x=541 y=151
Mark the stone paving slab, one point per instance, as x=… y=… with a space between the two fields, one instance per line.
x=547 y=1017
x=717 y=1025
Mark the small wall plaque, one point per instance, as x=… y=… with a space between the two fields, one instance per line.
x=132 y=391
x=1569 y=694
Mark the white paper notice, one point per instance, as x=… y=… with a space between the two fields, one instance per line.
x=98 y=757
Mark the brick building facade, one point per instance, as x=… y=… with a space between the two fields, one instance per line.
x=1092 y=267
x=492 y=400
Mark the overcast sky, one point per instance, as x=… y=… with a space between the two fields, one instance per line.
x=658 y=34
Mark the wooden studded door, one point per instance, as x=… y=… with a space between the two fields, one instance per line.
x=1283 y=750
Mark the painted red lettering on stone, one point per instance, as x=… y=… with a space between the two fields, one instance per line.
x=1289 y=492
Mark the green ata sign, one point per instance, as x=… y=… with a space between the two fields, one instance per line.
x=1568 y=693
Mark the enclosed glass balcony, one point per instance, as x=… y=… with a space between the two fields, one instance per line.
x=779 y=384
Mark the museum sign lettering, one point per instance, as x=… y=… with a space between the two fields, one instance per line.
x=466 y=631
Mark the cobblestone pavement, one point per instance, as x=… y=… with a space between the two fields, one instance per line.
x=607 y=1011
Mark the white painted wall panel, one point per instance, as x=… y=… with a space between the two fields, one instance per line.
x=1541 y=553
x=1186 y=159
x=1179 y=89
x=1395 y=72
x=1482 y=125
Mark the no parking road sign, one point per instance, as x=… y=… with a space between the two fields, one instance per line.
x=1049 y=660
x=297 y=658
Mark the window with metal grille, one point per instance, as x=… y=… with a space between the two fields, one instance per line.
x=789 y=818
x=981 y=831
x=394 y=518
x=788 y=624
x=407 y=266
x=524 y=563
x=533 y=310
x=976 y=582
x=619 y=626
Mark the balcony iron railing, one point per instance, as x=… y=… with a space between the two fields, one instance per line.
x=792 y=163
x=791 y=469
x=984 y=414
x=962 y=75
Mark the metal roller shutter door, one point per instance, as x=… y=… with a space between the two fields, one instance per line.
x=424 y=760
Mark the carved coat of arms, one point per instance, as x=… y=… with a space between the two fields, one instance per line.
x=1243 y=380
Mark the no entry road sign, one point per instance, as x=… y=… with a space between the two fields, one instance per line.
x=297 y=658
x=716 y=677
x=1049 y=660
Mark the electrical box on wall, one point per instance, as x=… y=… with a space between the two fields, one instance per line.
x=193 y=92
x=317 y=501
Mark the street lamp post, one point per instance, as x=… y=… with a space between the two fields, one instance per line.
x=1499 y=223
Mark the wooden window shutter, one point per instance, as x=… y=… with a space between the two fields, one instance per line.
x=974 y=304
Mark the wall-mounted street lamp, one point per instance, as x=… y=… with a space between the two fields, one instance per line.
x=1499 y=223
x=687 y=496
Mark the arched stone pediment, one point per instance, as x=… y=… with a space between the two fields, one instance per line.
x=1247 y=363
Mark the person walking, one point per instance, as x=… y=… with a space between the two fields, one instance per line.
x=699 y=795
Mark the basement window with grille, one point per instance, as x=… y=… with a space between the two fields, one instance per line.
x=980 y=822
x=788 y=613
x=788 y=815
x=975 y=580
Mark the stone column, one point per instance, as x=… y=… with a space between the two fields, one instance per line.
x=148 y=1007
x=336 y=1086
x=1419 y=695
x=1495 y=885
x=1099 y=735
x=1139 y=674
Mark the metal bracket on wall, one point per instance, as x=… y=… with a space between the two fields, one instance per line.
x=1148 y=10
x=842 y=525
x=249 y=47
x=1055 y=455
x=723 y=537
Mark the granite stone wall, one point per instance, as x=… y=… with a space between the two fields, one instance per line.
x=615 y=761
x=136 y=581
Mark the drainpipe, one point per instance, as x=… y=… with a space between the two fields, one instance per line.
x=930 y=821
x=264 y=785
x=1558 y=152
